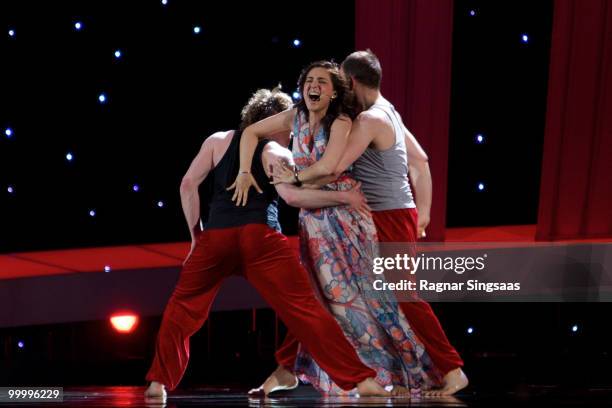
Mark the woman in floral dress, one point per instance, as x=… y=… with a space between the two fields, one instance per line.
x=338 y=243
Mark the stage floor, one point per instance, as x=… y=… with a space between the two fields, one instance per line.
x=304 y=396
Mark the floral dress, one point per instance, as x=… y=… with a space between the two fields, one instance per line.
x=337 y=245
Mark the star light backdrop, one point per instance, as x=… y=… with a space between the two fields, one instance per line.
x=105 y=103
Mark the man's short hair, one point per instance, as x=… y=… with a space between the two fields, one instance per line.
x=264 y=103
x=364 y=67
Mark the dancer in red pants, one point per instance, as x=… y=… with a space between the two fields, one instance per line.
x=382 y=151
x=243 y=240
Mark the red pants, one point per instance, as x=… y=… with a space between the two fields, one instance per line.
x=399 y=226
x=267 y=261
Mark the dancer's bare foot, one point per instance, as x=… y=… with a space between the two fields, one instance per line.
x=280 y=380
x=454 y=381
x=370 y=388
x=400 y=391
x=157 y=391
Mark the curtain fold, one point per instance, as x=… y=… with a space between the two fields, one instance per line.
x=413 y=40
x=576 y=183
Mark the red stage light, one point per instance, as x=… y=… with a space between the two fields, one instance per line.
x=124 y=323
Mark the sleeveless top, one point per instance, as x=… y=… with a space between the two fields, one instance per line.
x=384 y=173
x=260 y=208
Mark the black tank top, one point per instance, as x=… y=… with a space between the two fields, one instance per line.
x=260 y=208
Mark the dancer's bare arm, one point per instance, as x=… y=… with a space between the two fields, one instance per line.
x=364 y=130
x=281 y=122
x=195 y=175
x=326 y=166
x=274 y=155
x=420 y=177
x=334 y=150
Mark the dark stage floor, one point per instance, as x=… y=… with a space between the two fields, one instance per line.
x=527 y=396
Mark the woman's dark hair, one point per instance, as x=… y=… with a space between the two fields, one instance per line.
x=343 y=103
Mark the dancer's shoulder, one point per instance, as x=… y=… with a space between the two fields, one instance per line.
x=373 y=117
x=219 y=136
x=217 y=143
x=276 y=150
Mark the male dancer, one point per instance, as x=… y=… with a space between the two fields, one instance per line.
x=383 y=151
x=241 y=240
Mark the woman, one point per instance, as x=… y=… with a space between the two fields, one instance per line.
x=338 y=243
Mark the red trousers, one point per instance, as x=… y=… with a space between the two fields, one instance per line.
x=265 y=258
x=399 y=226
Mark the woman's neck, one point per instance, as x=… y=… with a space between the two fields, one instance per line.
x=315 y=118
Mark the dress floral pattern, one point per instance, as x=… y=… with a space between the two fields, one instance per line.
x=337 y=246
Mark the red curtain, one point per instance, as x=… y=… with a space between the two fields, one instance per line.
x=576 y=184
x=412 y=39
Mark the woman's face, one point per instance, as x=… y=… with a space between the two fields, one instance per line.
x=318 y=90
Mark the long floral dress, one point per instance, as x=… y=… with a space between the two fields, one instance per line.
x=337 y=248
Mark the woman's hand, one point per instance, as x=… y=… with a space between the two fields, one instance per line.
x=283 y=173
x=242 y=184
x=357 y=200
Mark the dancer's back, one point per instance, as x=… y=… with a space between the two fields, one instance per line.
x=260 y=208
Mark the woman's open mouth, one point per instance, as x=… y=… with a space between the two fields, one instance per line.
x=315 y=97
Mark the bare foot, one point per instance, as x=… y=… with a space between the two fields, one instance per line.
x=370 y=388
x=157 y=391
x=454 y=381
x=280 y=380
x=400 y=391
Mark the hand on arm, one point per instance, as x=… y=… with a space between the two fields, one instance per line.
x=360 y=137
x=284 y=172
x=274 y=155
x=250 y=137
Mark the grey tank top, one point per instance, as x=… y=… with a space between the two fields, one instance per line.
x=384 y=173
